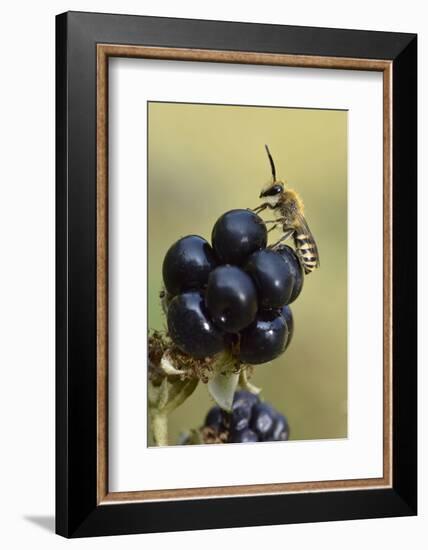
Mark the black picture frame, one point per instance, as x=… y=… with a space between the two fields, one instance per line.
x=77 y=512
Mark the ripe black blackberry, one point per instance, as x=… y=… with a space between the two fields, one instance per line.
x=190 y=327
x=250 y=421
x=187 y=265
x=236 y=235
x=236 y=291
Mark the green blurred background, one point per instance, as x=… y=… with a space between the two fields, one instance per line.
x=207 y=159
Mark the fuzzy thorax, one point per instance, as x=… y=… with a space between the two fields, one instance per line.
x=290 y=196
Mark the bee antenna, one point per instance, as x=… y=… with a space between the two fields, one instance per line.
x=272 y=164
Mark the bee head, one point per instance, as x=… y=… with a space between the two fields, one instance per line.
x=273 y=190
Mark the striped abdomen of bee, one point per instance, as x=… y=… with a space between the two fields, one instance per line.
x=307 y=250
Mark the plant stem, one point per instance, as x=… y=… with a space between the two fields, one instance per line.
x=159 y=423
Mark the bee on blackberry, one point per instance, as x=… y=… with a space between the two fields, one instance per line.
x=288 y=209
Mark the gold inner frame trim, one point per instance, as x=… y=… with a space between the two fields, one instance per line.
x=104 y=51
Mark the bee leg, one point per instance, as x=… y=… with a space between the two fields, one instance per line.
x=287 y=234
x=259 y=208
x=264 y=222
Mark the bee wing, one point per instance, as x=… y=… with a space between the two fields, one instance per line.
x=303 y=232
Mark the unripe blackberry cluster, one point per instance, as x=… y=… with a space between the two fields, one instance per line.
x=233 y=294
x=251 y=420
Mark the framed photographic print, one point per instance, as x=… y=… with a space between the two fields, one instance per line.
x=236 y=274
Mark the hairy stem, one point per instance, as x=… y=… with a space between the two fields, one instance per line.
x=246 y=384
x=159 y=422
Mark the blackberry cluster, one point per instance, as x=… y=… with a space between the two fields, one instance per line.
x=250 y=421
x=234 y=293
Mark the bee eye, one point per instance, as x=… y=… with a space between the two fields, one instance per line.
x=272 y=191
